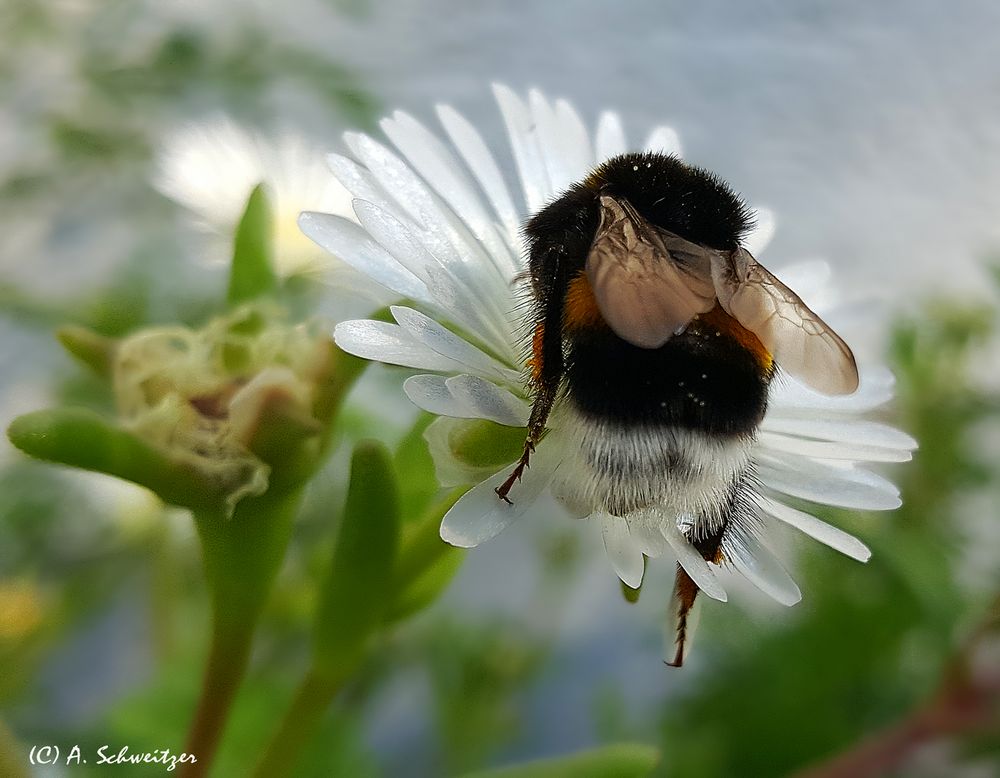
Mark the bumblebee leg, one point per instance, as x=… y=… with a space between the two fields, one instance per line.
x=682 y=618
x=536 y=428
x=682 y=615
x=546 y=361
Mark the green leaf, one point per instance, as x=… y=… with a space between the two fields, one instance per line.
x=358 y=589
x=84 y=439
x=423 y=590
x=252 y=274
x=417 y=481
x=92 y=349
x=622 y=760
x=426 y=564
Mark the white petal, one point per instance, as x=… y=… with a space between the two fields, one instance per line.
x=489 y=401
x=477 y=156
x=692 y=562
x=645 y=531
x=828 y=449
x=573 y=127
x=844 y=431
x=435 y=226
x=449 y=292
x=665 y=140
x=563 y=140
x=624 y=554
x=524 y=145
x=762 y=569
x=396 y=238
x=466 y=397
x=819 y=530
x=788 y=397
x=359 y=182
x=845 y=439
x=437 y=229
x=446 y=343
x=385 y=342
x=350 y=243
x=430 y=393
x=547 y=130
x=610 y=140
x=442 y=171
x=480 y=515
x=763 y=230
x=574 y=505
x=825 y=483
x=395 y=178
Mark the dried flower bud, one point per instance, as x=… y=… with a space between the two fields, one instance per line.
x=202 y=395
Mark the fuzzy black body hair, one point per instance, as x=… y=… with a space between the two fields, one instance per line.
x=698 y=380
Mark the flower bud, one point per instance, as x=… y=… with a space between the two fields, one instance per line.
x=208 y=397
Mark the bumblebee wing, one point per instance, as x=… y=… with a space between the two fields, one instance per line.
x=648 y=283
x=799 y=340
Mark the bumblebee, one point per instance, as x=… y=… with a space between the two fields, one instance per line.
x=658 y=334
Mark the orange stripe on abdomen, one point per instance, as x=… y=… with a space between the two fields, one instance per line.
x=728 y=327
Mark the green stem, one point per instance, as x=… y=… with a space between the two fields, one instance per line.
x=309 y=705
x=242 y=555
x=164 y=593
x=421 y=550
x=227 y=663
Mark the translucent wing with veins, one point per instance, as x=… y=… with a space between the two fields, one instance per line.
x=650 y=283
x=642 y=280
x=799 y=340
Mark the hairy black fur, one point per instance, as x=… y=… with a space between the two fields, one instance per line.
x=606 y=377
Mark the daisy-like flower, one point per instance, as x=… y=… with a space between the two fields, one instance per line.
x=440 y=226
x=211 y=168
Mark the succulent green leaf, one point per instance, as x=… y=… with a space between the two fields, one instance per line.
x=417 y=481
x=92 y=349
x=358 y=588
x=426 y=564
x=252 y=274
x=428 y=585
x=81 y=438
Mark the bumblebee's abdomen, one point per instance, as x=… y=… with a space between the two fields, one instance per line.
x=703 y=379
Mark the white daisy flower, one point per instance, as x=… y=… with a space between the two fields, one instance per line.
x=440 y=226
x=211 y=169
